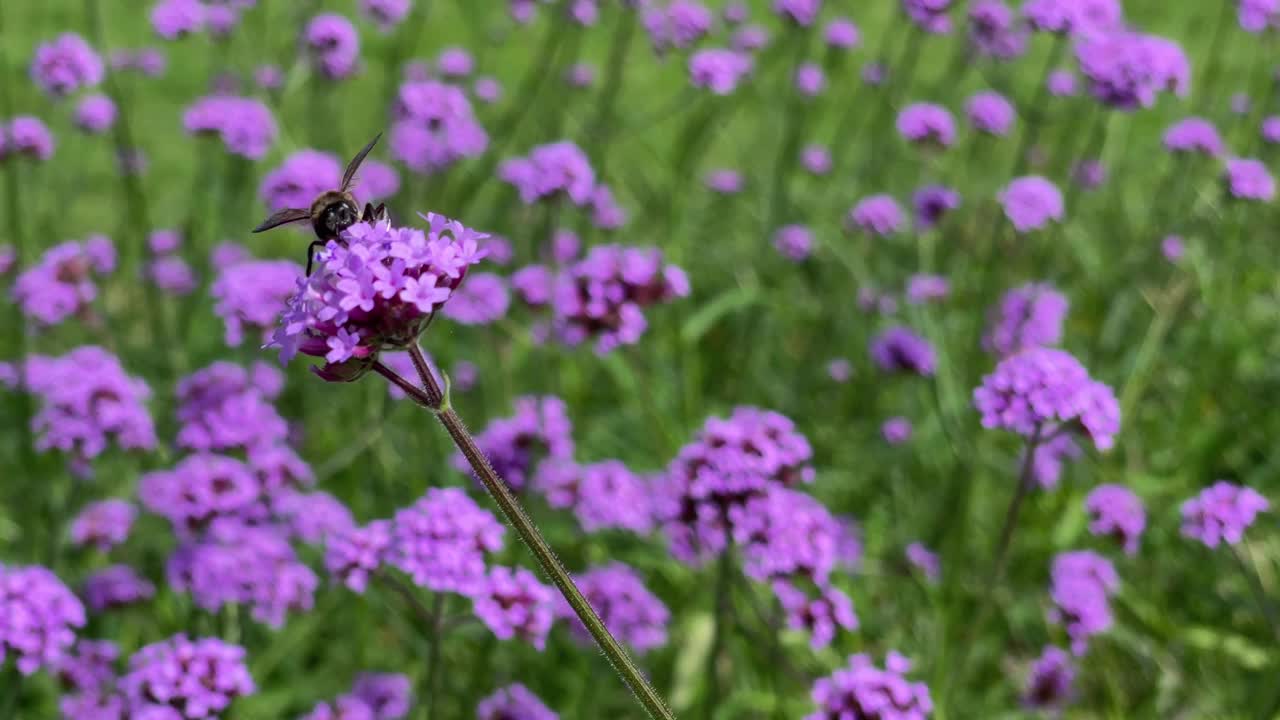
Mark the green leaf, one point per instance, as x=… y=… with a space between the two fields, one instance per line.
x=728 y=302
x=697 y=632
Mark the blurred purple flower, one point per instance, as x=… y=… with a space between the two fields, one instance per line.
x=354 y=555
x=1089 y=174
x=1074 y=17
x=172 y=275
x=1172 y=248
x=514 y=702
x=995 y=32
x=514 y=603
x=924 y=560
x=199 y=489
x=633 y=615
x=1050 y=682
x=927 y=124
x=678 y=25
x=862 y=690
x=800 y=12
x=1249 y=179
x=178 y=678
x=932 y=203
x=735 y=12
x=224 y=407
x=95 y=114
x=550 y=170
x=539 y=430
x=311 y=517
x=794 y=242
x=810 y=80
x=333 y=45
x=302 y=176
x=386 y=14
x=1221 y=513
x=878 y=215
x=749 y=38
x=1194 y=135
x=61 y=285
x=89 y=667
x=38 y=617
x=929 y=15
x=842 y=34
x=840 y=370
x=1116 y=511
x=606 y=213
x=816 y=159
x=1031 y=202
x=251 y=294
x=455 y=62
x=173 y=19
x=896 y=430
x=1240 y=103
x=719 y=69
x=1271 y=129
x=1028 y=316
x=1128 y=70
x=147 y=61
x=990 y=113
x=116 y=586
x=1062 y=83
x=440 y=541
x=103 y=524
x=899 y=349
x=487 y=89
x=875 y=74
x=268 y=77
x=1039 y=390
x=481 y=300
x=66 y=64
x=27 y=136
x=725 y=182
x=1081 y=582
x=1050 y=456
x=581 y=75
x=602 y=496
x=388 y=695
x=820 y=616
x=1257 y=15
x=245 y=126
x=344 y=707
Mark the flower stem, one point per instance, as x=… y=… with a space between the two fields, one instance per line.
x=724 y=578
x=433 y=662
x=1259 y=593
x=435 y=400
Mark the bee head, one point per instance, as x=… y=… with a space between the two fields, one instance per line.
x=332 y=213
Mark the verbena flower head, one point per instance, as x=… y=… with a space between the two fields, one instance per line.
x=481 y=300
x=61 y=285
x=701 y=497
x=174 y=19
x=602 y=297
x=929 y=15
x=678 y=25
x=840 y=370
x=172 y=275
x=725 y=182
x=386 y=14
x=311 y=517
x=455 y=62
x=552 y=170
x=333 y=45
x=842 y=34
x=1128 y=70
x=199 y=489
x=794 y=242
x=602 y=496
x=900 y=349
x=27 y=136
x=66 y=64
x=1074 y=17
x=1050 y=457
x=1271 y=130
x=924 y=287
x=86 y=402
x=1081 y=583
x=224 y=406
x=735 y=12
x=932 y=203
x=749 y=38
x=878 y=215
x=1249 y=179
x=1040 y=390
x=245 y=125
x=375 y=290
x=896 y=430
x=539 y=430
x=344 y=707
x=788 y=535
x=514 y=604
x=1257 y=15
x=816 y=159
x=1116 y=511
x=249 y=296
x=927 y=124
x=1028 y=316
x=821 y=617
x=1062 y=83
x=388 y=695
x=1173 y=248
x=95 y=114
x=1194 y=135
x=995 y=32
x=990 y=113
x=302 y=176
x=180 y=678
x=38 y=617
x=89 y=666
x=1050 y=684
x=250 y=565
x=103 y=524
x=800 y=12
x=924 y=560
x=810 y=80
x=514 y=702
x=116 y=586
x=632 y=614
x=487 y=89
x=1221 y=513
x=147 y=61
x=862 y=691
x=353 y=555
x=580 y=75
x=719 y=69
x=1031 y=202
x=440 y=541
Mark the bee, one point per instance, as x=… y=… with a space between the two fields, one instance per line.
x=333 y=211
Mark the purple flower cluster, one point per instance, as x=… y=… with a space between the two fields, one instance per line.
x=1050 y=683
x=994 y=30
x=1221 y=513
x=901 y=350
x=38 y=617
x=86 y=401
x=333 y=45
x=799 y=12
x=386 y=14
x=514 y=603
x=1127 y=70
x=352 y=555
x=1049 y=458
x=1029 y=316
x=602 y=496
x=481 y=300
x=552 y=170
x=374 y=696
x=539 y=430
x=1038 y=391
x=1194 y=135
x=1031 y=202
x=788 y=535
x=66 y=64
x=862 y=691
x=199 y=489
x=632 y=614
x=1249 y=179
x=706 y=490
x=929 y=15
x=147 y=61
x=842 y=34
x=173 y=19
x=923 y=288
x=990 y=113
x=1116 y=511
x=1074 y=17
x=61 y=284
x=103 y=524
x=375 y=290
x=245 y=125
x=434 y=127
x=236 y=563
x=794 y=242
x=896 y=430
x=924 y=560
x=927 y=124
x=514 y=702
x=26 y=136
x=719 y=69
x=878 y=215
x=179 y=678
x=224 y=406
x=679 y=24
x=249 y=295
x=312 y=517
x=820 y=617
x=116 y=586
x=440 y=541
x=1081 y=583
x=932 y=203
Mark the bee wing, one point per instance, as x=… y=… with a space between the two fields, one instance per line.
x=282 y=217
x=354 y=165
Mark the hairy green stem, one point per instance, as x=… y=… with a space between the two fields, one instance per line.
x=433 y=398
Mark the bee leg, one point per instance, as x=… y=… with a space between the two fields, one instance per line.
x=372 y=214
x=311 y=253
